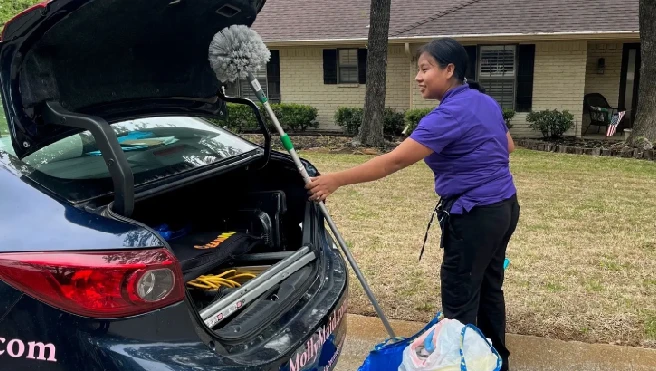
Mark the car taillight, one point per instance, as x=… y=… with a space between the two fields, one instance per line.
x=106 y=284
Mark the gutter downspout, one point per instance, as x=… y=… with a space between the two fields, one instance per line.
x=408 y=54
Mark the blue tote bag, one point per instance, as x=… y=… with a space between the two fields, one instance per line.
x=388 y=356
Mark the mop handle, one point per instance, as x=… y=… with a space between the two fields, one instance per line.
x=287 y=144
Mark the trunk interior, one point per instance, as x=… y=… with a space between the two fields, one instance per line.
x=245 y=241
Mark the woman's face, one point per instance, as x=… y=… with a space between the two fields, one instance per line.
x=433 y=80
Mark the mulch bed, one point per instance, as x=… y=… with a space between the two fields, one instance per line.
x=341 y=144
x=324 y=144
x=579 y=146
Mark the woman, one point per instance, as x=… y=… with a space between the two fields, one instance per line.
x=466 y=143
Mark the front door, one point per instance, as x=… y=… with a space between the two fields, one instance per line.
x=629 y=81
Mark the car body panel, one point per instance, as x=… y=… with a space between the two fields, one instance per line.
x=32 y=220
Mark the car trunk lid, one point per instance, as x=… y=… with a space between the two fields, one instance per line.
x=104 y=57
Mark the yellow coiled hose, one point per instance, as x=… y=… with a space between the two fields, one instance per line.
x=215 y=281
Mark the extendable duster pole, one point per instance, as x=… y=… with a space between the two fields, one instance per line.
x=287 y=144
x=235 y=53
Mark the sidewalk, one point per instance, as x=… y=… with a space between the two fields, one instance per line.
x=527 y=353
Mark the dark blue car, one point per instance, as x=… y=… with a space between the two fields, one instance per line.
x=135 y=232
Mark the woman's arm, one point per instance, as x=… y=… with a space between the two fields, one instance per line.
x=406 y=154
x=511 y=143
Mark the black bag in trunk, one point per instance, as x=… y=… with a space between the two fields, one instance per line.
x=200 y=253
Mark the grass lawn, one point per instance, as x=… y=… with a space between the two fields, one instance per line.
x=4 y=130
x=583 y=257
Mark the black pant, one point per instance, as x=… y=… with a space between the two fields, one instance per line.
x=472 y=270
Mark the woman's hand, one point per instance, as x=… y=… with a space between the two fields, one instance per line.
x=322 y=186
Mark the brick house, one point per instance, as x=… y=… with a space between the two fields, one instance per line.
x=529 y=55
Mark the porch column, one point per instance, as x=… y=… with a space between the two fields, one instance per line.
x=559 y=80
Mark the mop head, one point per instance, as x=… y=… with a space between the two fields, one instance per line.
x=235 y=51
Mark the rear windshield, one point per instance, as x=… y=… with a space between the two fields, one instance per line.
x=154 y=147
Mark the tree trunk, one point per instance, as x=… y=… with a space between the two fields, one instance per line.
x=371 y=130
x=645 y=123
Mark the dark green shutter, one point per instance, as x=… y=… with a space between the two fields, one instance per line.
x=362 y=66
x=273 y=77
x=472 y=66
x=525 y=69
x=330 y=66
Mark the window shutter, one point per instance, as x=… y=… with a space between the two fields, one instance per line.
x=470 y=74
x=330 y=66
x=525 y=71
x=273 y=76
x=362 y=66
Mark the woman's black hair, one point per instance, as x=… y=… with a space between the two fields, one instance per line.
x=446 y=51
x=476 y=85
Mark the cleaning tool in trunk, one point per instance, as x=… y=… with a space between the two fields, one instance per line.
x=235 y=53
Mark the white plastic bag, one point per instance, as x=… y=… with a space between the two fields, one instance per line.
x=447 y=340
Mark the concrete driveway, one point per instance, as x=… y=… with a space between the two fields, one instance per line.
x=527 y=353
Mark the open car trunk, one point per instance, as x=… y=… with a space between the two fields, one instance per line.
x=246 y=244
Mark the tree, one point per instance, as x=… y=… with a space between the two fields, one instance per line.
x=645 y=123
x=371 y=130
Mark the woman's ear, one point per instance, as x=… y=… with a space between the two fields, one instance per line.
x=450 y=70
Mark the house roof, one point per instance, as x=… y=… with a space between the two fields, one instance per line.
x=527 y=17
x=343 y=20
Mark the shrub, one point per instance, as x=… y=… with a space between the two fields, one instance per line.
x=350 y=119
x=240 y=118
x=551 y=123
x=292 y=117
x=412 y=118
x=295 y=117
x=508 y=115
x=394 y=122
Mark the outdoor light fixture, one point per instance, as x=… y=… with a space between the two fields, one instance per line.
x=601 y=66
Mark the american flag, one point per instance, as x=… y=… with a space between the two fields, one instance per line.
x=614 y=121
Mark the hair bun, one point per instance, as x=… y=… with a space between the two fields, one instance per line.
x=475 y=85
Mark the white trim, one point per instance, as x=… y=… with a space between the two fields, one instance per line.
x=565 y=35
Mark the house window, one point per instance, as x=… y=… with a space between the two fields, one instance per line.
x=497 y=72
x=347 y=65
x=487 y=65
x=344 y=66
x=269 y=79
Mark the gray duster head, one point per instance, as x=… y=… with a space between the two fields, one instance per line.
x=237 y=51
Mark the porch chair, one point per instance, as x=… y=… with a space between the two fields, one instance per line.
x=601 y=113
